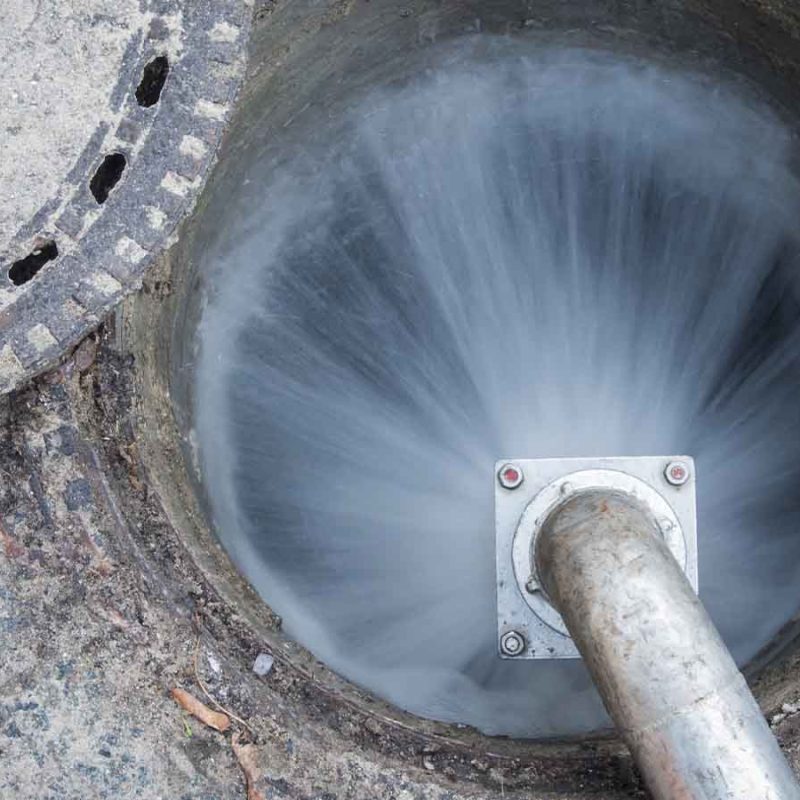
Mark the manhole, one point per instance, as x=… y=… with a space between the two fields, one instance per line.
x=110 y=124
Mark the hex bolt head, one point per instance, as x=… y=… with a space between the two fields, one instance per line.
x=676 y=473
x=512 y=643
x=510 y=476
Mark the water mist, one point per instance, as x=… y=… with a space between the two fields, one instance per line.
x=524 y=252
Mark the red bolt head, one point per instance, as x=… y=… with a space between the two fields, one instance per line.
x=676 y=473
x=510 y=476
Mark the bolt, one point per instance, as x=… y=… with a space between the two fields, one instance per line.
x=532 y=587
x=676 y=473
x=510 y=476
x=512 y=643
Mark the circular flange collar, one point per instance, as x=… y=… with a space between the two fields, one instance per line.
x=556 y=493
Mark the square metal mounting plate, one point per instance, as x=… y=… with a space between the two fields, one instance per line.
x=540 y=631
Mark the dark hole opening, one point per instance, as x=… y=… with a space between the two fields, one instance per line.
x=23 y=270
x=107 y=176
x=154 y=76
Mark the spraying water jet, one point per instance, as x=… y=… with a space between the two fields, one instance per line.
x=554 y=251
x=502 y=246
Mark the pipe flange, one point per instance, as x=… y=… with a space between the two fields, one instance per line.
x=522 y=604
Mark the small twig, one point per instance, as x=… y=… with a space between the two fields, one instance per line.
x=188 y=702
x=246 y=756
x=211 y=697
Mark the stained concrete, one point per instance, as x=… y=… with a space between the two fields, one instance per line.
x=89 y=647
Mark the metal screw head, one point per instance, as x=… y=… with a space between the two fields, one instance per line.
x=512 y=643
x=676 y=473
x=510 y=476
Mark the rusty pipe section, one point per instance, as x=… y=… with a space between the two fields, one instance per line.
x=665 y=676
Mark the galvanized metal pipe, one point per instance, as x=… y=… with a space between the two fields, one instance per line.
x=666 y=677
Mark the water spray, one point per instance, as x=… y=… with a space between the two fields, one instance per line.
x=548 y=252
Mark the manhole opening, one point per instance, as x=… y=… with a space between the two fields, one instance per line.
x=334 y=262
